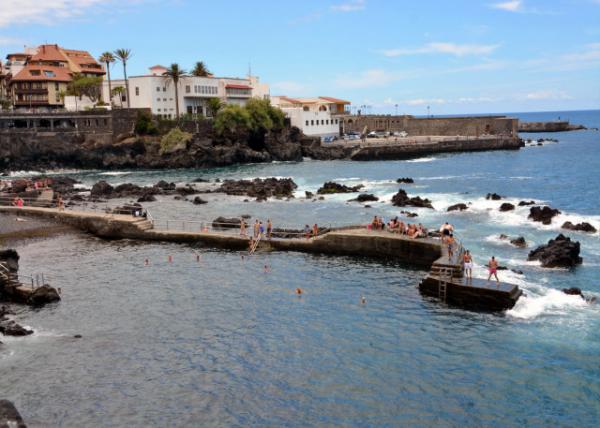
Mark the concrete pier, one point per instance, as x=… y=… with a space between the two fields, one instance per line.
x=445 y=281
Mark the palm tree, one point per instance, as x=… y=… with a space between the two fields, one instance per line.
x=200 y=70
x=124 y=55
x=174 y=73
x=108 y=58
x=119 y=90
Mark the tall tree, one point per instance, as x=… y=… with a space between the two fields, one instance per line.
x=200 y=70
x=118 y=91
x=108 y=58
x=174 y=74
x=88 y=86
x=124 y=55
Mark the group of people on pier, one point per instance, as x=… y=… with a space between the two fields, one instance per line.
x=398 y=226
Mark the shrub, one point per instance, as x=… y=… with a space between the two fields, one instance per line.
x=232 y=119
x=174 y=139
x=144 y=125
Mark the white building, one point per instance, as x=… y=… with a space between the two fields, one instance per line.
x=320 y=116
x=156 y=92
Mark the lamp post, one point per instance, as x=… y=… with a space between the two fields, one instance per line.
x=396 y=105
x=428 y=115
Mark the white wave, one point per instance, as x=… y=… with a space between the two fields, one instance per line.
x=115 y=173
x=419 y=160
x=24 y=173
x=441 y=177
x=551 y=302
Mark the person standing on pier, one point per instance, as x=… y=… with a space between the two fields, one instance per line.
x=269 y=229
x=450 y=243
x=468 y=263
x=493 y=267
x=242 y=227
x=256 y=229
x=315 y=230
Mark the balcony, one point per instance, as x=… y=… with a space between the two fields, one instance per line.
x=37 y=102
x=31 y=91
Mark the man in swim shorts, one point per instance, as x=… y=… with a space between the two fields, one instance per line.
x=493 y=268
x=468 y=261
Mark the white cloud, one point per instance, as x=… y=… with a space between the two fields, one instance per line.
x=10 y=41
x=49 y=11
x=509 y=6
x=367 y=79
x=350 y=6
x=547 y=95
x=443 y=48
x=423 y=101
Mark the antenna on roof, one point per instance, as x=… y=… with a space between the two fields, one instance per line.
x=249 y=69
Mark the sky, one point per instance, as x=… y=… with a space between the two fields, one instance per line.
x=451 y=56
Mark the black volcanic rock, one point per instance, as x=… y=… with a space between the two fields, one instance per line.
x=332 y=187
x=101 y=189
x=457 y=207
x=580 y=227
x=401 y=199
x=559 y=252
x=506 y=206
x=543 y=214
x=526 y=203
x=260 y=188
x=519 y=242
x=406 y=180
x=493 y=196
x=199 y=201
x=226 y=223
x=9 y=415
x=365 y=197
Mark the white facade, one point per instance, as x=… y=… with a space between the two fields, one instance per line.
x=319 y=117
x=156 y=92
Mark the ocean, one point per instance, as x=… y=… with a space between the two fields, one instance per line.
x=222 y=342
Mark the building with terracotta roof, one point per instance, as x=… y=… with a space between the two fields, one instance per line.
x=39 y=77
x=317 y=116
x=156 y=92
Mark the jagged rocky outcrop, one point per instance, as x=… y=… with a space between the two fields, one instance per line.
x=457 y=207
x=559 y=252
x=579 y=227
x=401 y=199
x=575 y=291
x=506 y=206
x=260 y=188
x=543 y=214
x=364 y=197
x=493 y=196
x=332 y=187
x=405 y=180
x=526 y=203
x=519 y=242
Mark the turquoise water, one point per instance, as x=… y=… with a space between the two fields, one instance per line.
x=221 y=342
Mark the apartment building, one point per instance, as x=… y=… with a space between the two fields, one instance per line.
x=39 y=77
x=157 y=92
x=318 y=116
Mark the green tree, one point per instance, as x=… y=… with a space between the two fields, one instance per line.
x=232 y=119
x=215 y=104
x=175 y=139
x=264 y=117
x=174 y=74
x=124 y=55
x=72 y=91
x=88 y=86
x=108 y=58
x=200 y=70
x=118 y=91
x=144 y=124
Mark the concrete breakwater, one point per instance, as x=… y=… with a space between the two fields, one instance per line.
x=394 y=149
x=354 y=241
x=552 y=126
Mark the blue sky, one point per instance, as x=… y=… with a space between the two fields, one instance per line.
x=456 y=56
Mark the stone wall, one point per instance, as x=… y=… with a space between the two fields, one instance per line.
x=465 y=126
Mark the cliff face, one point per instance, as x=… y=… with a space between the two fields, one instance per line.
x=25 y=151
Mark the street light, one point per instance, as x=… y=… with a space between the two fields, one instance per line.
x=396 y=105
x=428 y=115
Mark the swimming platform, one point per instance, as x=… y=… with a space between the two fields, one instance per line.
x=445 y=280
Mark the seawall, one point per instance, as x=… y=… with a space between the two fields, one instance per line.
x=351 y=242
x=553 y=126
x=395 y=151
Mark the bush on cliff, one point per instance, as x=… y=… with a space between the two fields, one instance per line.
x=175 y=139
x=144 y=125
x=232 y=120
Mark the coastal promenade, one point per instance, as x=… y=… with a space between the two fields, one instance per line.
x=445 y=281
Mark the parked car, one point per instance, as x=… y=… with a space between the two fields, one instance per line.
x=402 y=134
x=372 y=134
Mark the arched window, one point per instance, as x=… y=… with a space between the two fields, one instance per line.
x=323 y=108
x=305 y=108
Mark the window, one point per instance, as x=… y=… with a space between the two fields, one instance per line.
x=322 y=122
x=164 y=89
x=188 y=89
x=158 y=99
x=305 y=108
x=164 y=99
x=158 y=109
x=307 y=123
x=56 y=86
x=158 y=89
x=312 y=122
x=137 y=91
x=170 y=99
x=327 y=122
x=49 y=73
x=34 y=72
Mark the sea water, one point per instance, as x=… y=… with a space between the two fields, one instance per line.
x=225 y=342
